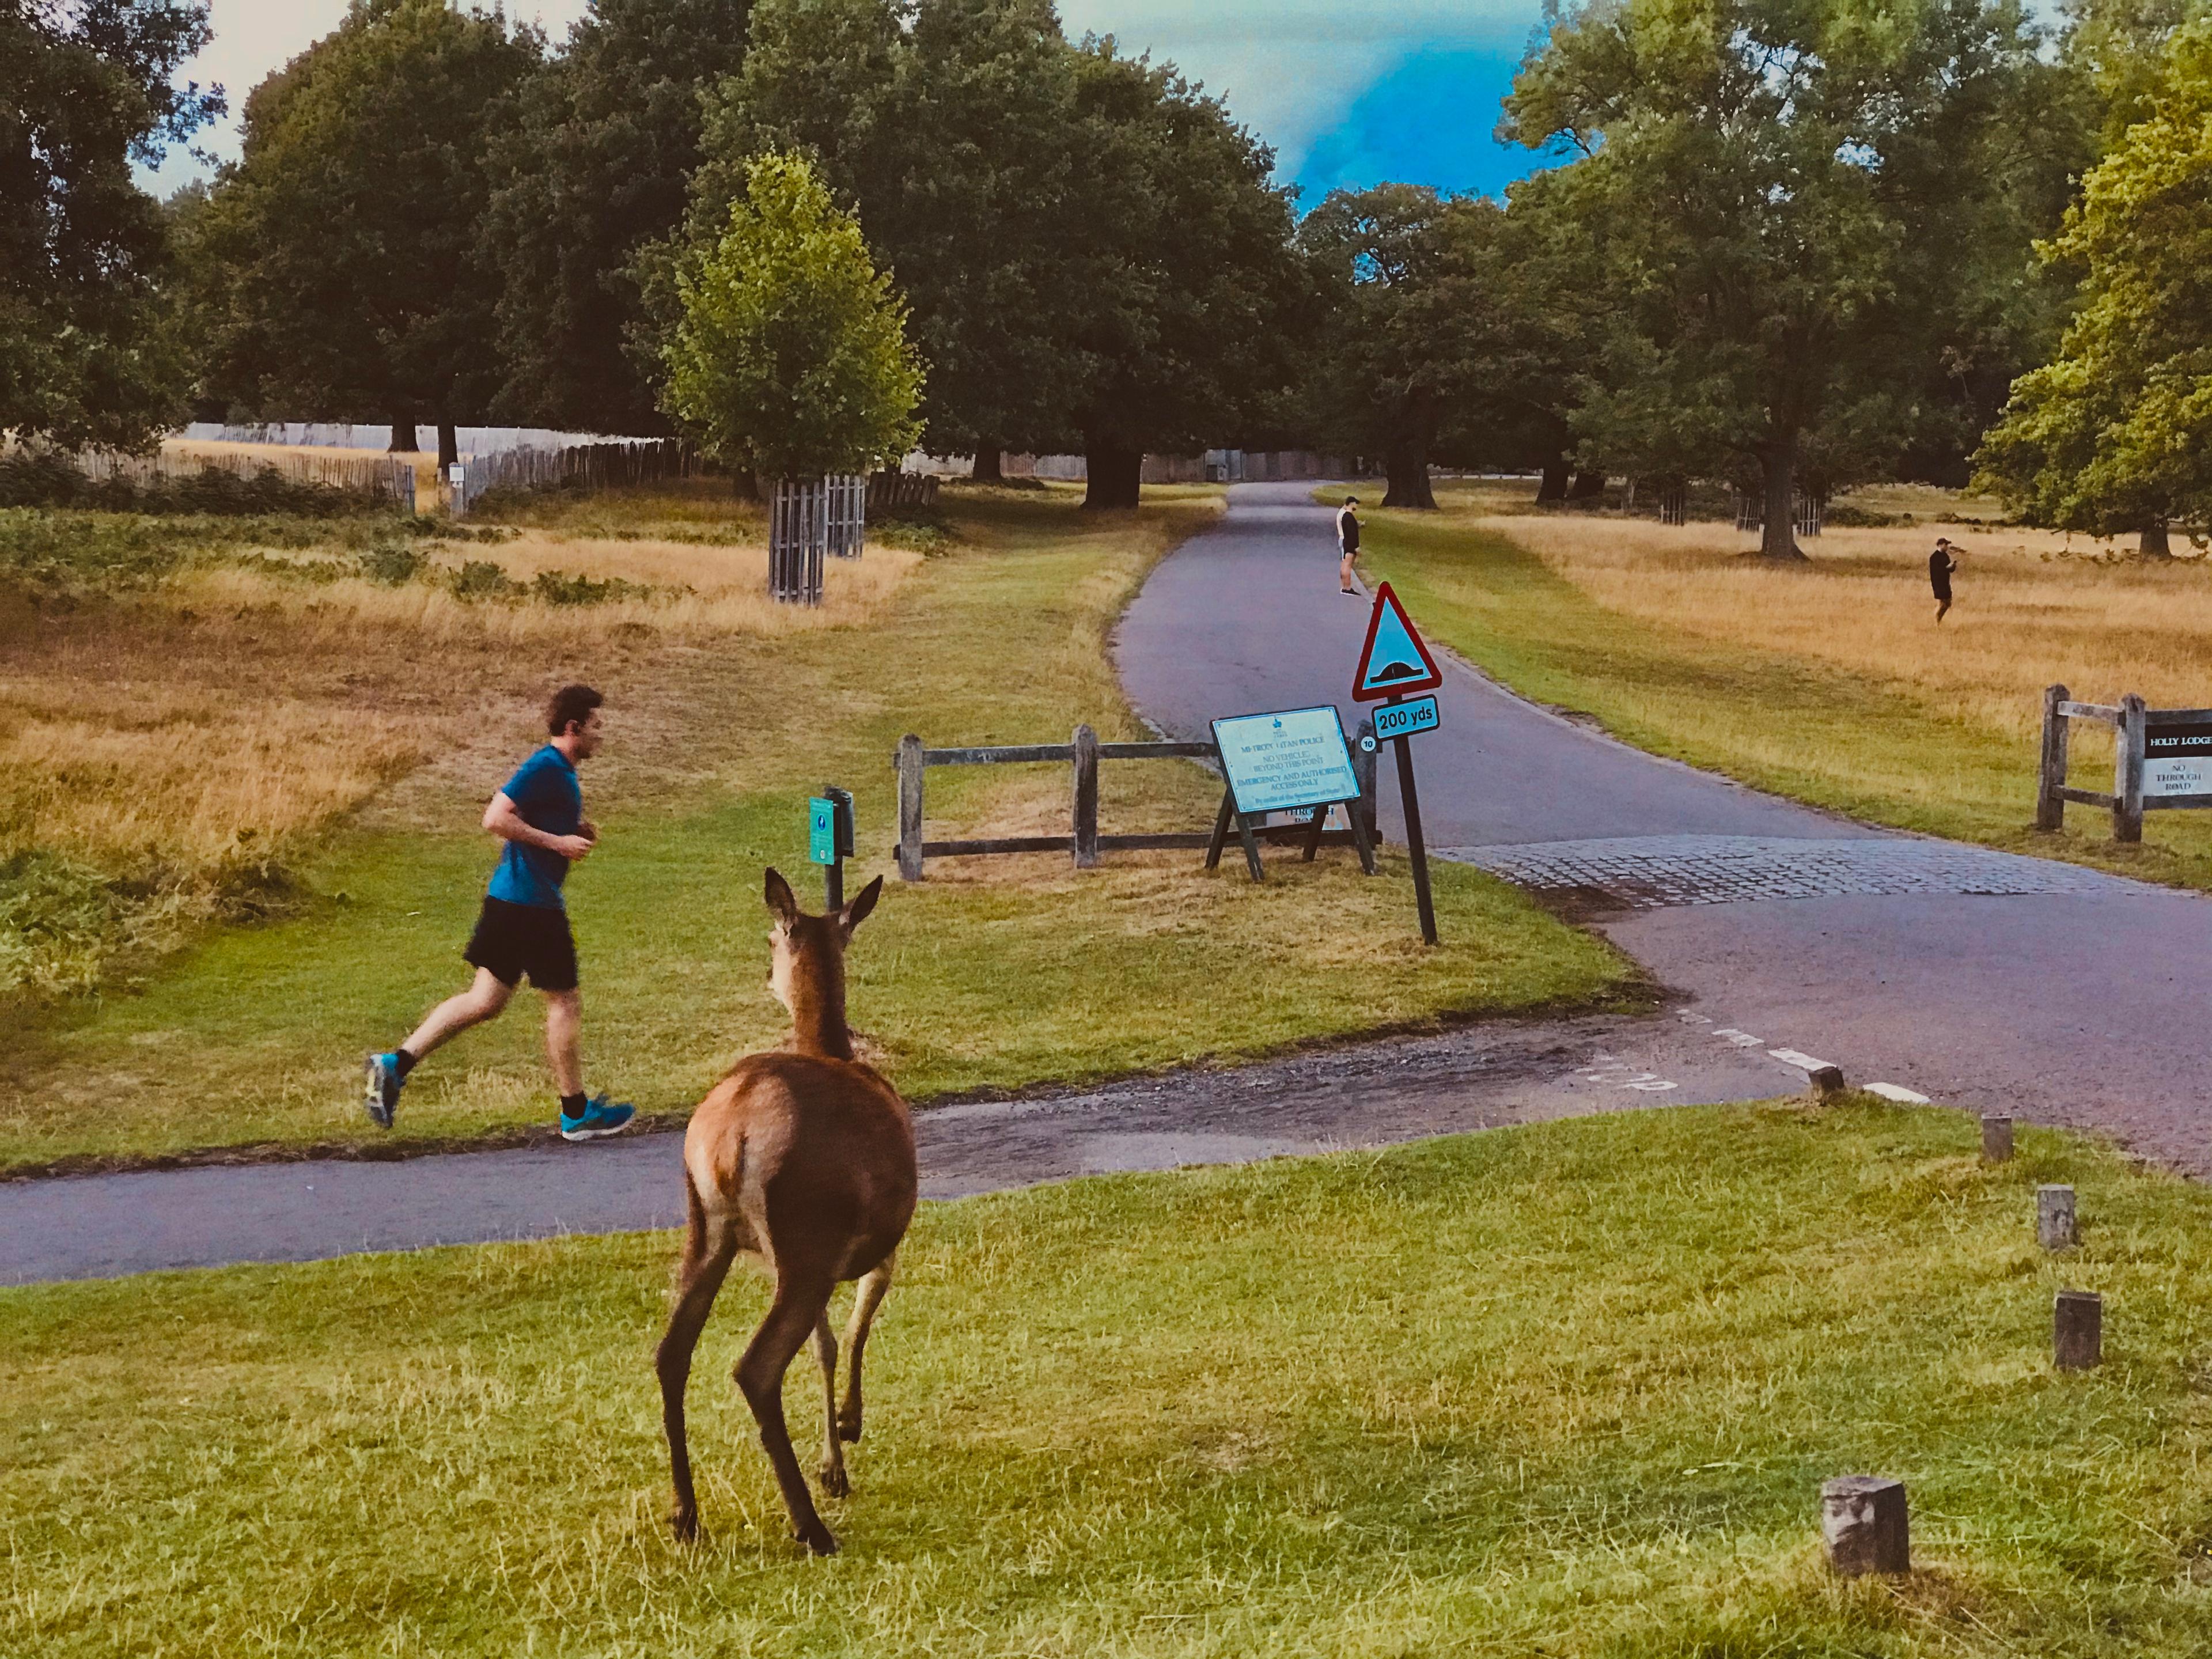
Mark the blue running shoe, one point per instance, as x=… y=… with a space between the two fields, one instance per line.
x=384 y=1082
x=598 y=1121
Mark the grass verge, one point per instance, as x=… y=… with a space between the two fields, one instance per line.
x=992 y=973
x=1826 y=682
x=1567 y=1389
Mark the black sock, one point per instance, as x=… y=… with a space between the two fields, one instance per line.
x=573 y=1105
x=404 y=1062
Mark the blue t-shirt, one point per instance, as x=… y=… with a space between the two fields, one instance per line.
x=545 y=793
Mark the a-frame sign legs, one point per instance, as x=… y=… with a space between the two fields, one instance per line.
x=1221 y=836
x=1356 y=811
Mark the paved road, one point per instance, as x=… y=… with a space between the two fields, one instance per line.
x=1360 y=1095
x=1977 y=977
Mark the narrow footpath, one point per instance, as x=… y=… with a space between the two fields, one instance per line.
x=1979 y=978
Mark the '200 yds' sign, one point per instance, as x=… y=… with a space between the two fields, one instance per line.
x=1403 y=720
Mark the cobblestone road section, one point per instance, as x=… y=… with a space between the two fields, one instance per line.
x=1646 y=872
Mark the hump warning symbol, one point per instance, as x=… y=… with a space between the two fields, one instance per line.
x=1395 y=661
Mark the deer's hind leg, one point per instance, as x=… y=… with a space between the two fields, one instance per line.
x=794 y=1316
x=710 y=1243
x=867 y=1297
x=834 y=1481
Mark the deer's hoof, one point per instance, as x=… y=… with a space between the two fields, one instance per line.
x=835 y=1481
x=683 y=1521
x=818 y=1539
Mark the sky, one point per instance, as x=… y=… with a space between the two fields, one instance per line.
x=1348 y=92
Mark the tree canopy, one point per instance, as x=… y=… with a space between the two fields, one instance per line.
x=1772 y=187
x=791 y=360
x=943 y=125
x=85 y=355
x=2115 y=434
x=345 y=250
x=596 y=164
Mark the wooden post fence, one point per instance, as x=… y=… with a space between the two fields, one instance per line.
x=1083 y=842
x=2183 y=738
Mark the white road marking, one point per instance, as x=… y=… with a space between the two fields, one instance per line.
x=1803 y=1062
x=1897 y=1092
x=1740 y=1039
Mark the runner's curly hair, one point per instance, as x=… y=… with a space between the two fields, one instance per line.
x=571 y=705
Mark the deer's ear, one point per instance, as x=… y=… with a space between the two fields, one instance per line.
x=780 y=899
x=857 y=912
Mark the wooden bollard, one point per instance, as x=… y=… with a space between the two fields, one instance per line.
x=2054 y=1218
x=1824 y=1082
x=1864 y=1525
x=1997 y=1140
x=2077 y=1331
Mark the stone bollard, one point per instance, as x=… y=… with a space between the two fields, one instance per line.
x=2077 y=1331
x=1997 y=1140
x=1863 y=1523
x=1824 y=1082
x=2054 y=1218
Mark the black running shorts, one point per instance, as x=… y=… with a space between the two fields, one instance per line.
x=515 y=939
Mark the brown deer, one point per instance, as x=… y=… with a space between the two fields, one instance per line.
x=803 y=1157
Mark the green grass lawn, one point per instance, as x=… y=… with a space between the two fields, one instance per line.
x=1568 y=1390
x=1872 y=746
x=990 y=974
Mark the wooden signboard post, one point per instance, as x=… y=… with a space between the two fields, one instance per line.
x=1395 y=665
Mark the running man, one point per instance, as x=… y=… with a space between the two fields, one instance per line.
x=523 y=929
x=1941 y=563
x=1347 y=541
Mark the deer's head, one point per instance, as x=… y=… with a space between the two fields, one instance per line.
x=806 y=965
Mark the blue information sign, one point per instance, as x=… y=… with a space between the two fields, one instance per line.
x=1403 y=720
x=822 y=831
x=1294 y=758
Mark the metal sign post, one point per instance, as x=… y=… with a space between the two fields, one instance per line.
x=1409 y=797
x=1393 y=664
x=830 y=841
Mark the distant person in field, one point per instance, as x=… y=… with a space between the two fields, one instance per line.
x=523 y=929
x=1347 y=541
x=1941 y=563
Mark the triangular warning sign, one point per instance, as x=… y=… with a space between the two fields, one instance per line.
x=1395 y=660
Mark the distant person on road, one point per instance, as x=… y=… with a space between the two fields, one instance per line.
x=523 y=928
x=1347 y=541
x=1941 y=563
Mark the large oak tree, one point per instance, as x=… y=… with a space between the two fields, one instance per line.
x=595 y=165
x=1786 y=196
x=85 y=91
x=345 y=247
x=2115 y=434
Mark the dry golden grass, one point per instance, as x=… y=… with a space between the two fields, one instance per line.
x=2033 y=606
x=703 y=590
x=187 y=738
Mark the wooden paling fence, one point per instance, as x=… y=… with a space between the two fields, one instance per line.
x=2161 y=761
x=574 y=466
x=887 y=490
x=377 y=476
x=1082 y=754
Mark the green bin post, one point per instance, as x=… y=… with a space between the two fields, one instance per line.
x=830 y=841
